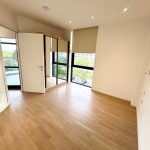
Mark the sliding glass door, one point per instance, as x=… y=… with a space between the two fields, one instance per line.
x=57 y=60
x=62 y=65
x=10 y=58
x=60 y=61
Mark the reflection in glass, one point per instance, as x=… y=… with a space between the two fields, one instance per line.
x=59 y=65
x=53 y=70
x=62 y=66
x=62 y=72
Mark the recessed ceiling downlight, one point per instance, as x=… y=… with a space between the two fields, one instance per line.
x=125 y=9
x=70 y=22
x=92 y=17
x=46 y=8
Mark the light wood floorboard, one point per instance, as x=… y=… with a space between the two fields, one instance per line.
x=69 y=117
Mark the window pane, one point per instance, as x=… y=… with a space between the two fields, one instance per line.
x=12 y=76
x=9 y=55
x=84 y=59
x=62 y=72
x=62 y=57
x=8 y=47
x=8 y=40
x=82 y=76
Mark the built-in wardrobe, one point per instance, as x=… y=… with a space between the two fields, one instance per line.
x=43 y=60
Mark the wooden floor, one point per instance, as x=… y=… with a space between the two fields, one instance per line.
x=70 y=117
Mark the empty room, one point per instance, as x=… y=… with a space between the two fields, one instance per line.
x=74 y=75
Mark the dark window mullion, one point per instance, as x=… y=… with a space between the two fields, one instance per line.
x=53 y=58
x=11 y=67
x=63 y=64
x=72 y=64
x=8 y=43
x=83 y=67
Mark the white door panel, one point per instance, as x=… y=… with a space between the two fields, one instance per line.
x=31 y=48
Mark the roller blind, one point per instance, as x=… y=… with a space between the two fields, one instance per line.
x=54 y=45
x=62 y=46
x=84 y=40
x=6 y=33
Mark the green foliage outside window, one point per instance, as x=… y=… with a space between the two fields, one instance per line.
x=82 y=76
x=10 y=59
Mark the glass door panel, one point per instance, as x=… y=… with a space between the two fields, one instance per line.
x=50 y=46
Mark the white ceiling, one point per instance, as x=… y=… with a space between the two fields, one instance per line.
x=80 y=11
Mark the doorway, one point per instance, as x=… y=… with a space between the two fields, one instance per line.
x=10 y=60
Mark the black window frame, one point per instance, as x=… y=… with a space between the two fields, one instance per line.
x=13 y=86
x=55 y=62
x=73 y=65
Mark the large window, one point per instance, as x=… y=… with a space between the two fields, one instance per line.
x=62 y=65
x=82 y=68
x=10 y=61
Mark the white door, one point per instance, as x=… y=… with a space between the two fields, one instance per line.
x=31 y=50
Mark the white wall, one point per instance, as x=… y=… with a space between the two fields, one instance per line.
x=7 y=17
x=6 y=33
x=30 y=25
x=24 y=24
x=120 y=49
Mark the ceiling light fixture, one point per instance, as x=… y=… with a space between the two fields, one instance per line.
x=70 y=22
x=125 y=9
x=92 y=17
x=46 y=8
